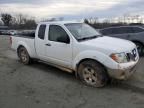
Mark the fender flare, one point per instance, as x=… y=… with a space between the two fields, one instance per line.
x=24 y=45
x=94 y=55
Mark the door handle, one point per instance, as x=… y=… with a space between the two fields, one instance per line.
x=48 y=44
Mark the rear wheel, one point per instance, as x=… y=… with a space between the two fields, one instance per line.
x=92 y=73
x=140 y=48
x=24 y=56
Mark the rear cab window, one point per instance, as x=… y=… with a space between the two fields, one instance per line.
x=41 y=31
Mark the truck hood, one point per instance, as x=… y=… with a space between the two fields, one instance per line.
x=111 y=44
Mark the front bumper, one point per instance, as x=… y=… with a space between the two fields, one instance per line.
x=122 y=74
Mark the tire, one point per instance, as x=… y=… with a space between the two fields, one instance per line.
x=140 y=48
x=92 y=73
x=24 y=56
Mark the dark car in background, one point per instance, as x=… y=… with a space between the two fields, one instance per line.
x=3 y=29
x=132 y=33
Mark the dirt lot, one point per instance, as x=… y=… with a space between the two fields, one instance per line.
x=43 y=86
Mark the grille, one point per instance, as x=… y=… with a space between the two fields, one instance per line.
x=132 y=55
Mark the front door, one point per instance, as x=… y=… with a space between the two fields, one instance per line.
x=59 y=46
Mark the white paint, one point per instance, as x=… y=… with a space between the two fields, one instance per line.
x=69 y=55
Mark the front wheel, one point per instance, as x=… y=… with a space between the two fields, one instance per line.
x=92 y=73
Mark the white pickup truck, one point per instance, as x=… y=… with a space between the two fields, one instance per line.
x=77 y=47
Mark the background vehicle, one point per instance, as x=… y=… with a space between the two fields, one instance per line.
x=0 y=32
x=5 y=32
x=77 y=47
x=132 y=33
x=8 y=32
x=12 y=32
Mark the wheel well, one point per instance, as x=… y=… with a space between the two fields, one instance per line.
x=136 y=41
x=86 y=59
x=18 y=49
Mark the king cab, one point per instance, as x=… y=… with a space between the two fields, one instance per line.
x=77 y=47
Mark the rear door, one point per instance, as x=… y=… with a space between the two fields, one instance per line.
x=40 y=41
x=121 y=32
x=58 y=51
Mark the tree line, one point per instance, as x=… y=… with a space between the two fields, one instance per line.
x=18 y=21
x=21 y=21
x=109 y=23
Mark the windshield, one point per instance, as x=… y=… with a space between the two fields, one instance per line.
x=82 y=31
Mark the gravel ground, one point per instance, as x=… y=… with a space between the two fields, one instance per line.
x=42 y=86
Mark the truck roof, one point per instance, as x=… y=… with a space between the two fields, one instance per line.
x=60 y=22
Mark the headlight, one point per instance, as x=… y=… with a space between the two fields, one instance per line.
x=119 y=57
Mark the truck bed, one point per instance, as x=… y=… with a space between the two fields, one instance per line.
x=26 y=41
x=28 y=34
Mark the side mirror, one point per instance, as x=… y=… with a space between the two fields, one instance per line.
x=64 y=39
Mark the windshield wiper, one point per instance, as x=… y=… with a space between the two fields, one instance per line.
x=87 y=38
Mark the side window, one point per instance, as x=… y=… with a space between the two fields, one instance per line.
x=58 y=34
x=129 y=30
x=41 y=32
x=122 y=30
x=117 y=30
x=106 y=31
x=137 y=29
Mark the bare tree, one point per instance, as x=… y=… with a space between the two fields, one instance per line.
x=106 y=21
x=30 y=24
x=20 y=19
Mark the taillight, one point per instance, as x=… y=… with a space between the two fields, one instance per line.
x=10 y=40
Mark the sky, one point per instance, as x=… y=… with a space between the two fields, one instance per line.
x=72 y=9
